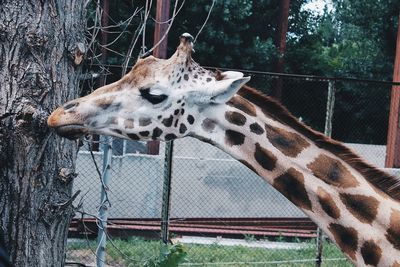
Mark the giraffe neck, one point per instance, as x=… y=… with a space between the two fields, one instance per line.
x=362 y=220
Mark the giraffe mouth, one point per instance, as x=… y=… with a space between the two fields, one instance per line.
x=72 y=131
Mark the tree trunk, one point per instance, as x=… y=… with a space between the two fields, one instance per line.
x=41 y=44
x=280 y=44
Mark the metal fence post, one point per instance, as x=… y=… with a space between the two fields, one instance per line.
x=102 y=234
x=166 y=192
x=330 y=104
x=329 y=108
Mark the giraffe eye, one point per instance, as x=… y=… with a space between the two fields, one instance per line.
x=154 y=99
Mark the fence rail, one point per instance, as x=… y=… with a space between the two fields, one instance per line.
x=207 y=227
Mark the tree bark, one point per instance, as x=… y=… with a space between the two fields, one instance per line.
x=41 y=44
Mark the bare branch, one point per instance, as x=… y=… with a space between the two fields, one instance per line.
x=174 y=13
x=168 y=20
x=205 y=22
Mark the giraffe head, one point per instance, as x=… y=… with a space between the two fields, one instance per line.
x=157 y=100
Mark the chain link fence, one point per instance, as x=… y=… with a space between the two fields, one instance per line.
x=222 y=213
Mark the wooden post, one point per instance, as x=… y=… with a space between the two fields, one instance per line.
x=280 y=44
x=162 y=15
x=104 y=38
x=393 y=138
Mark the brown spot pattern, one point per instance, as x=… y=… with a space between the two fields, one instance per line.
x=265 y=158
x=144 y=121
x=362 y=207
x=118 y=131
x=156 y=133
x=327 y=203
x=233 y=138
x=128 y=123
x=170 y=136
x=104 y=103
x=144 y=133
x=332 y=172
x=111 y=120
x=385 y=182
x=371 y=253
x=182 y=128
x=168 y=121
x=346 y=238
x=190 y=119
x=235 y=118
x=243 y=105
x=290 y=144
x=393 y=232
x=291 y=185
x=208 y=125
x=256 y=128
x=133 y=136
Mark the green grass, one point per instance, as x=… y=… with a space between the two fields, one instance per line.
x=139 y=252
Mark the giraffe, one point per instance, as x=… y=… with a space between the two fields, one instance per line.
x=356 y=205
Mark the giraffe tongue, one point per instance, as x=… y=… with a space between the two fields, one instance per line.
x=71 y=132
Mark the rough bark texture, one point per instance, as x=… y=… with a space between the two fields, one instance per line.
x=39 y=43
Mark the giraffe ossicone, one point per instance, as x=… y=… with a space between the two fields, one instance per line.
x=357 y=205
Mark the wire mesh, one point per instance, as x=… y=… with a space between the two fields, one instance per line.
x=223 y=213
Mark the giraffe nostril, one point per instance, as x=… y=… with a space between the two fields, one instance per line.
x=70 y=105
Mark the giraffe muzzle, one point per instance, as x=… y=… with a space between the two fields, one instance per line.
x=66 y=124
x=71 y=132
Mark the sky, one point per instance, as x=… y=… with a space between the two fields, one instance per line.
x=318 y=5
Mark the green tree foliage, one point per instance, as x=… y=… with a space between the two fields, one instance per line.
x=354 y=38
x=367 y=36
x=240 y=32
x=364 y=46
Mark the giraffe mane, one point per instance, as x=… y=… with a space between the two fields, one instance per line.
x=388 y=184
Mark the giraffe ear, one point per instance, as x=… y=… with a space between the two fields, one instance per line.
x=225 y=89
x=220 y=91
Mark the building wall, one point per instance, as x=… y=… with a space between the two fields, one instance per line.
x=206 y=182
